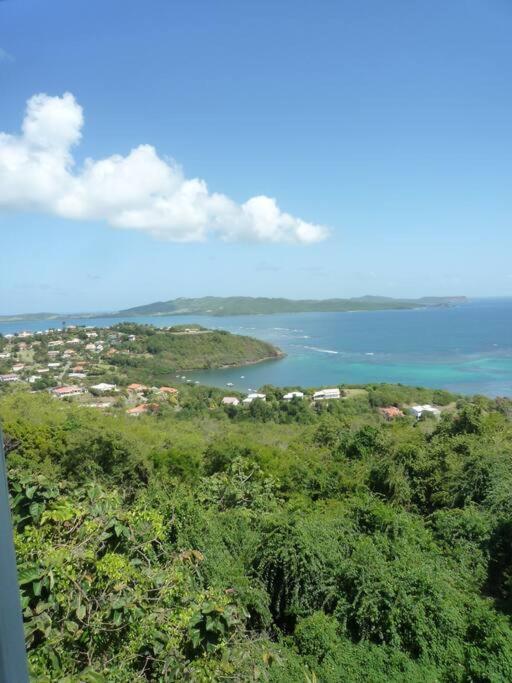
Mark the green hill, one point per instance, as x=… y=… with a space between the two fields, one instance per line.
x=156 y=351
x=242 y=305
x=247 y=305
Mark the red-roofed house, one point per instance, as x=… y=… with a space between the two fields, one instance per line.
x=390 y=412
x=137 y=387
x=142 y=409
x=167 y=390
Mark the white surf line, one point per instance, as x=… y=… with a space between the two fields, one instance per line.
x=315 y=348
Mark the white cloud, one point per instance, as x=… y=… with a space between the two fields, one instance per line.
x=139 y=191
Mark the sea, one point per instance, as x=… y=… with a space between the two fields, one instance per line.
x=464 y=348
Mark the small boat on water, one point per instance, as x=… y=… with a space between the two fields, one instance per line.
x=242 y=376
x=230 y=384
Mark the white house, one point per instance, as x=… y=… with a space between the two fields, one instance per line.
x=293 y=394
x=326 y=394
x=418 y=411
x=230 y=401
x=103 y=387
x=63 y=392
x=252 y=397
x=9 y=378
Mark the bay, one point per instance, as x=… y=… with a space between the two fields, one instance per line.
x=465 y=348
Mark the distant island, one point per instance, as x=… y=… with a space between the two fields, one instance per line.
x=246 y=305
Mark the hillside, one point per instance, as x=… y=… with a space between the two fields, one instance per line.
x=122 y=354
x=281 y=542
x=188 y=348
x=240 y=305
x=246 y=305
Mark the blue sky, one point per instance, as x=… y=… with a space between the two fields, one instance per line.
x=387 y=123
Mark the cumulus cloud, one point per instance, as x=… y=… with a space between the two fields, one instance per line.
x=139 y=191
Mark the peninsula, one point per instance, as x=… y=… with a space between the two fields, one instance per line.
x=123 y=353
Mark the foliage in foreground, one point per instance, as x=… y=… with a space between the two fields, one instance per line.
x=347 y=548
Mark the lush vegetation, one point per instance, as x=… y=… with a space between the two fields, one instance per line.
x=246 y=305
x=282 y=543
x=156 y=352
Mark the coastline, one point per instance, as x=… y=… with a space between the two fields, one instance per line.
x=278 y=356
x=391 y=305
x=6 y=320
x=463 y=348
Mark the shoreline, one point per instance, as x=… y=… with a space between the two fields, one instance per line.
x=279 y=356
x=233 y=366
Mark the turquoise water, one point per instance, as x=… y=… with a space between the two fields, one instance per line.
x=466 y=348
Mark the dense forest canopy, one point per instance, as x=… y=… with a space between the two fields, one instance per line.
x=284 y=542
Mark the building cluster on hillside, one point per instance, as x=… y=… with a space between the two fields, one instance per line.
x=321 y=395
x=77 y=363
x=74 y=362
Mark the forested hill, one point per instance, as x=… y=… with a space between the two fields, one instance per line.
x=187 y=347
x=242 y=305
x=279 y=542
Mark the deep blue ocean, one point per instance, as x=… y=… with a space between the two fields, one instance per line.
x=465 y=348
